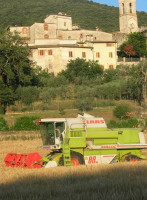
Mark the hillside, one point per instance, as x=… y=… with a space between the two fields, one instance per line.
x=86 y=13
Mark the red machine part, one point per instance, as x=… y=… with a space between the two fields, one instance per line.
x=25 y=160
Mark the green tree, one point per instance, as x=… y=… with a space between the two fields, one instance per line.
x=27 y=95
x=138 y=82
x=82 y=68
x=138 y=41
x=121 y=111
x=15 y=66
x=84 y=98
x=47 y=94
x=6 y=97
x=63 y=92
x=115 y=74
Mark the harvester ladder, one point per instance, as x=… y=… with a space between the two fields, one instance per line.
x=66 y=155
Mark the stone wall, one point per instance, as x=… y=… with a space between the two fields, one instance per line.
x=83 y=35
x=119 y=37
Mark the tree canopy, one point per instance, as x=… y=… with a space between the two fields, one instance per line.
x=138 y=83
x=129 y=50
x=15 y=66
x=135 y=45
x=82 y=68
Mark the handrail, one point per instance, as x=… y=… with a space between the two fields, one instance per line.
x=78 y=133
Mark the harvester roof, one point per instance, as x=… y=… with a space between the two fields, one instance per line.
x=89 y=120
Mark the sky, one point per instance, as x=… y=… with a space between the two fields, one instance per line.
x=141 y=5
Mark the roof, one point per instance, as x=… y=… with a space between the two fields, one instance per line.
x=51 y=120
x=55 y=46
x=97 y=41
x=89 y=120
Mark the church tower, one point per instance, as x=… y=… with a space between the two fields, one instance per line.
x=127 y=16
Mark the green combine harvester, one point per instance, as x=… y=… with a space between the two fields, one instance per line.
x=87 y=140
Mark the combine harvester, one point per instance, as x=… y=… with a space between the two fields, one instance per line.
x=82 y=140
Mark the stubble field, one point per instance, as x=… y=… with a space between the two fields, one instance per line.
x=122 y=181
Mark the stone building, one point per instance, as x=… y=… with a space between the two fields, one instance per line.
x=128 y=21
x=127 y=16
x=56 y=41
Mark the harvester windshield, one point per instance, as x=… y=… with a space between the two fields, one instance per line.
x=47 y=133
x=52 y=132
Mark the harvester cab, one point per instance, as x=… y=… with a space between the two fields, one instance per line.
x=52 y=132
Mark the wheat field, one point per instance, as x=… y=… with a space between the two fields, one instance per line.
x=122 y=181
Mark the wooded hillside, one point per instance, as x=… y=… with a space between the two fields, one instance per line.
x=86 y=13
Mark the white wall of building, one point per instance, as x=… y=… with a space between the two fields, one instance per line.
x=54 y=44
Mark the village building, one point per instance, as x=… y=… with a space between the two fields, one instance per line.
x=128 y=21
x=56 y=41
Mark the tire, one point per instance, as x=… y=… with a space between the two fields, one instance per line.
x=76 y=159
x=132 y=158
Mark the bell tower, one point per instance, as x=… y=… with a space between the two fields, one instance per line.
x=127 y=16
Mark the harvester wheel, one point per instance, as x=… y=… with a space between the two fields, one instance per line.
x=132 y=158
x=77 y=158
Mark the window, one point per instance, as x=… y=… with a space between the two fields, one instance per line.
x=110 y=66
x=41 y=52
x=60 y=37
x=130 y=8
x=109 y=44
x=98 y=54
x=46 y=36
x=84 y=54
x=94 y=38
x=50 y=66
x=64 y=23
x=69 y=37
x=70 y=54
x=50 y=52
x=123 y=7
x=24 y=30
x=45 y=27
x=110 y=55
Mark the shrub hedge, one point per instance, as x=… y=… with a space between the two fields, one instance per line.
x=25 y=123
x=146 y=123
x=130 y=123
x=121 y=111
x=3 y=124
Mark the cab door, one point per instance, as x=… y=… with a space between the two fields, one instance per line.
x=59 y=132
